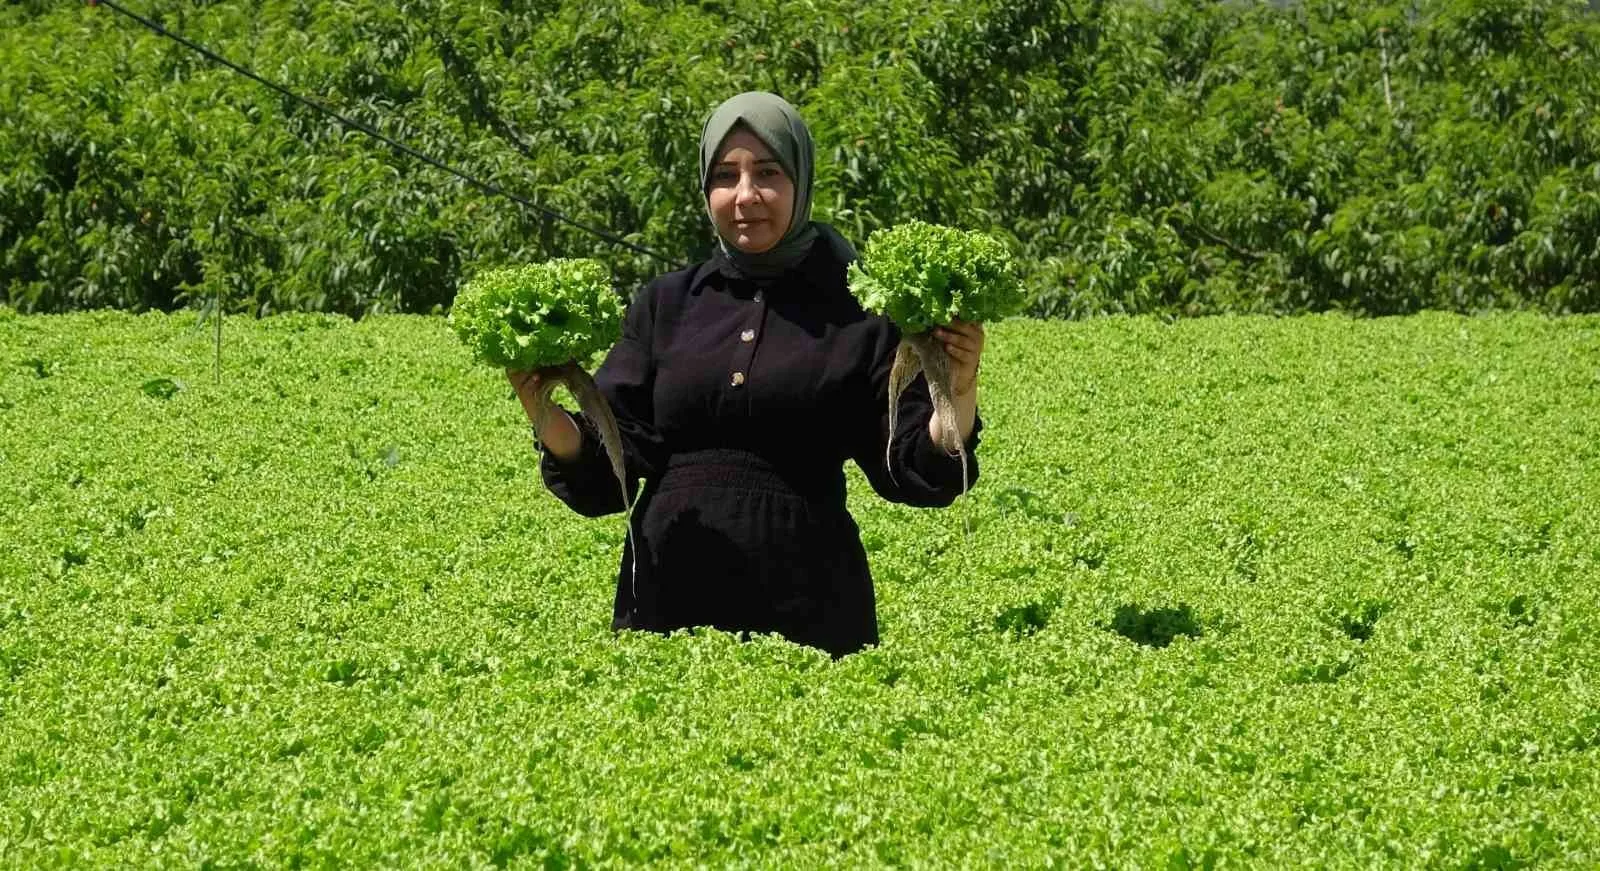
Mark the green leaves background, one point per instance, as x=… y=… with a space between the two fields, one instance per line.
x=1368 y=156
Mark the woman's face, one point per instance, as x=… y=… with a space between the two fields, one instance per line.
x=751 y=198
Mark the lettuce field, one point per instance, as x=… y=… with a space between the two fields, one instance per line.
x=1236 y=591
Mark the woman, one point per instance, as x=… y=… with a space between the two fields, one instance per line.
x=741 y=385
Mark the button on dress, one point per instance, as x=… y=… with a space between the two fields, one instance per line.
x=739 y=401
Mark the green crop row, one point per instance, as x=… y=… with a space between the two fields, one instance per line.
x=1237 y=591
x=1174 y=158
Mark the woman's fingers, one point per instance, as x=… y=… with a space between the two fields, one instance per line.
x=963 y=335
x=963 y=341
x=524 y=379
x=959 y=354
x=966 y=329
x=951 y=338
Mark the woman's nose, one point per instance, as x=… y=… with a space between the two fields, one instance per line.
x=746 y=192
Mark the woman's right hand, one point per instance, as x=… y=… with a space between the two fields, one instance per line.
x=525 y=381
x=552 y=426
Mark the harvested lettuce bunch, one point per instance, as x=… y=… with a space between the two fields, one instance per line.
x=533 y=316
x=551 y=318
x=922 y=276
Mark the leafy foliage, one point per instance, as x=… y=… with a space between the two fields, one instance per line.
x=532 y=316
x=321 y=613
x=923 y=275
x=1175 y=158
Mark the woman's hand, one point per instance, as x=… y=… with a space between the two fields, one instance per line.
x=527 y=383
x=963 y=341
x=552 y=426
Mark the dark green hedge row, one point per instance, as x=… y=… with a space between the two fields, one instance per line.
x=1143 y=157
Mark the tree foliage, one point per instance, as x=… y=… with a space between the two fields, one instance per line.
x=1377 y=157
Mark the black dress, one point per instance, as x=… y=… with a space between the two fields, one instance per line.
x=739 y=402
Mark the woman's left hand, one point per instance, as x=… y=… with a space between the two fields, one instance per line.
x=963 y=341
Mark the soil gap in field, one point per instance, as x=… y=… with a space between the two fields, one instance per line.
x=1156 y=627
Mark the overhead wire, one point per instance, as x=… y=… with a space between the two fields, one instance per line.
x=355 y=124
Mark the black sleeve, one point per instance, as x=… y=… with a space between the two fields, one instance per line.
x=922 y=474
x=626 y=380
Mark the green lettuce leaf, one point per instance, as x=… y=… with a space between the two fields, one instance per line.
x=534 y=315
x=924 y=275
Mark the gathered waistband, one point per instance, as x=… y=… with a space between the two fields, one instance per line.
x=747 y=470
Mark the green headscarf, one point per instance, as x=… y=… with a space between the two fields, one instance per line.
x=777 y=124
